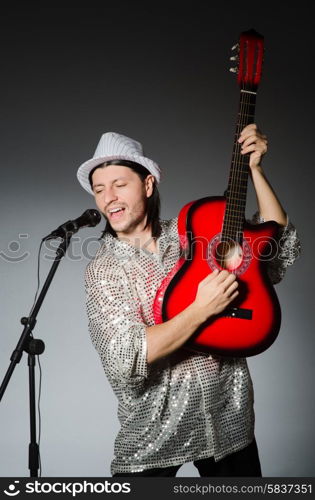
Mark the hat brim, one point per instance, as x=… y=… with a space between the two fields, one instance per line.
x=86 y=167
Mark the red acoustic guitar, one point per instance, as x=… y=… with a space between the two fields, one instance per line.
x=215 y=235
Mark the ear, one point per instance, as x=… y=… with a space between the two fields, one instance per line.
x=149 y=184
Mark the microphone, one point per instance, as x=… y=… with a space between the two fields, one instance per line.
x=89 y=218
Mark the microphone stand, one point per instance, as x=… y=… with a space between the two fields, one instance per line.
x=33 y=347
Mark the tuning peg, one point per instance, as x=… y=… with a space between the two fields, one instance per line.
x=234 y=58
x=236 y=46
x=233 y=70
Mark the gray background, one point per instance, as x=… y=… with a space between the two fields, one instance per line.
x=159 y=74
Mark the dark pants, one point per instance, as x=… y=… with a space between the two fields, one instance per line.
x=241 y=463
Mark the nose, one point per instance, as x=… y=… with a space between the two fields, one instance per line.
x=109 y=196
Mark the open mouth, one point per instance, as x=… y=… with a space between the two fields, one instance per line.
x=116 y=213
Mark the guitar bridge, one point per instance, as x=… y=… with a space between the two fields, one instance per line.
x=236 y=312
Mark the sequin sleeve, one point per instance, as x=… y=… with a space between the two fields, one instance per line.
x=116 y=329
x=289 y=249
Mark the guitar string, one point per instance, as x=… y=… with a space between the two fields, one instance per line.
x=241 y=173
x=240 y=160
x=227 y=227
x=233 y=178
x=237 y=182
x=236 y=173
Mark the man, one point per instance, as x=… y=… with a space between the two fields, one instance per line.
x=174 y=406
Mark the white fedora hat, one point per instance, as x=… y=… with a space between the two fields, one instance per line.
x=113 y=146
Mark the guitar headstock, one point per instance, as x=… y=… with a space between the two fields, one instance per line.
x=250 y=52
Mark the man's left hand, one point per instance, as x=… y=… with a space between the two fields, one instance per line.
x=253 y=142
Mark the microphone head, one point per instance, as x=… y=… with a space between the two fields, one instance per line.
x=92 y=217
x=89 y=218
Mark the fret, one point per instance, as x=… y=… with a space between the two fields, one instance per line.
x=237 y=198
x=239 y=210
x=239 y=160
x=246 y=114
x=235 y=193
x=232 y=227
x=238 y=167
x=248 y=99
x=238 y=174
x=241 y=164
x=233 y=216
x=235 y=211
x=240 y=190
x=246 y=105
x=233 y=223
x=236 y=184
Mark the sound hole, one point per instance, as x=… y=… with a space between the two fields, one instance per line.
x=229 y=255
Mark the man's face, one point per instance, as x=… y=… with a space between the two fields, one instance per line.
x=121 y=196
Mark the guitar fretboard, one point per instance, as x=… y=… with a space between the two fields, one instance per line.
x=238 y=180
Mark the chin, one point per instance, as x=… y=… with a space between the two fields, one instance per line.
x=121 y=228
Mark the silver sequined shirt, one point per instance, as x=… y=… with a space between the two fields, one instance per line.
x=186 y=406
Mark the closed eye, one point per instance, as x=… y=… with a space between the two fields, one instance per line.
x=117 y=185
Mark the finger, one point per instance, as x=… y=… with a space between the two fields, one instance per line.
x=253 y=138
x=222 y=276
x=226 y=281
x=248 y=130
x=231 y=288
x=229 y=282
x=233 y=296
x=210 y=276
x=249 y=136
x=257 y=148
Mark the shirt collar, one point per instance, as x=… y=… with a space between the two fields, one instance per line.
x=123 y=249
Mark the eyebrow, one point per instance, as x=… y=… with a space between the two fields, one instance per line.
x=118 y=179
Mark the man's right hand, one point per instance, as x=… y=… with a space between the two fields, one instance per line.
x=215 y=292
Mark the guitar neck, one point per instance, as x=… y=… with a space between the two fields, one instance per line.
x=238 y=179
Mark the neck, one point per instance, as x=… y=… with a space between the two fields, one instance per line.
x=237 y=188
x=140 y=237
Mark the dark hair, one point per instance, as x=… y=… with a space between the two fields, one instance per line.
x=153 y=203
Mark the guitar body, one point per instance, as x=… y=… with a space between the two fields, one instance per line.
x=214 y=235
x=251 y=322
